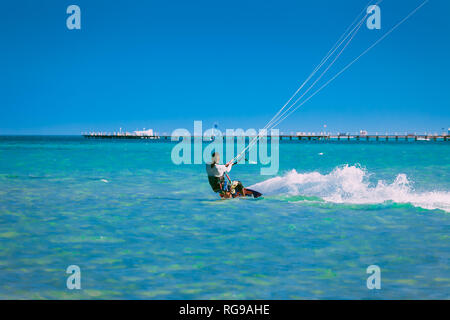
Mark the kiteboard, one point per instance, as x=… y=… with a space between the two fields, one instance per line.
x=246 y=193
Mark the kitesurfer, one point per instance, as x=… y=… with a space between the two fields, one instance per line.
x=225 y=187
x=216 y=174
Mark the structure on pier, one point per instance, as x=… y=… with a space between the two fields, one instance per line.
x=282 y=137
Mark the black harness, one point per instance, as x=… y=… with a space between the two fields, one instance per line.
x=216 y=183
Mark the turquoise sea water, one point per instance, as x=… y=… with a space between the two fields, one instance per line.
x=140 y=227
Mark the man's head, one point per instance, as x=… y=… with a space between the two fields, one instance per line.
x=215 y=157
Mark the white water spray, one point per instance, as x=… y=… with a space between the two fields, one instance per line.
x=350 y=184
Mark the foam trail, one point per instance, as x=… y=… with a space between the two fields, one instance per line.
x=350 y=184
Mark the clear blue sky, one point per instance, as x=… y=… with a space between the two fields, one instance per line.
x=164 y=64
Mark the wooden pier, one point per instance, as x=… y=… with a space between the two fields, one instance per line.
x=119 y=136
x=305 y=137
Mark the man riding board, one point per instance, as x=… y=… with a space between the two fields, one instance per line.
x=216 y=177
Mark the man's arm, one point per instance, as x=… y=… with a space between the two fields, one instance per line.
x=229 y=165
x=222 y=168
